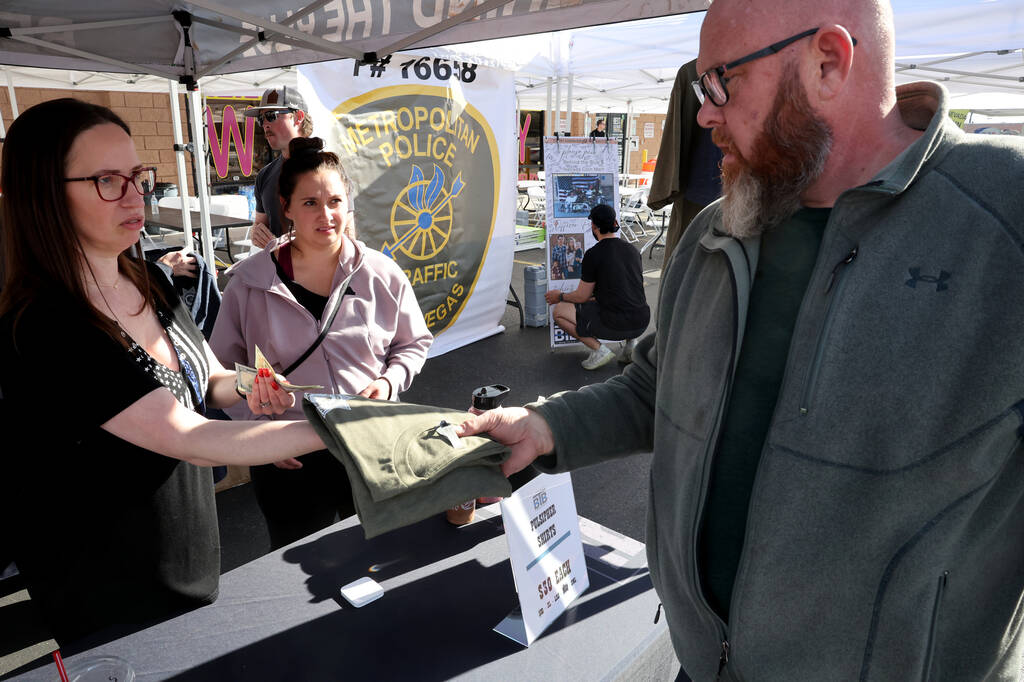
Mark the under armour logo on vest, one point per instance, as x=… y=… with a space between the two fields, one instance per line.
x=939 y=282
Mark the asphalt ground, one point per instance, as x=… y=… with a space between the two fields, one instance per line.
x=613 y=494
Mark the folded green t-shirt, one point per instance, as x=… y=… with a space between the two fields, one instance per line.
x=401 y=468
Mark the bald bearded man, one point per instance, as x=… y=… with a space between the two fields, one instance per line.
x=835 y=392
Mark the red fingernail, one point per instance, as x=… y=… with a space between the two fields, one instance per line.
x=273 y=385
x=263 y=372
x=256 y=380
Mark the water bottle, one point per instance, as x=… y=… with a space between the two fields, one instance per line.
x=154 y=206
x=489 y=397
x=484 y=398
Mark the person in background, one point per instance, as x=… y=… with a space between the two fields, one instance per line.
x=194 y=282
x=578 y=253
x=178 y=263
x=598 y=130
x=282 y=113
x=558 y=256
x=107 y=499
x=572 y=259
x=609 y=302
x=835 y=395
x=315 y=278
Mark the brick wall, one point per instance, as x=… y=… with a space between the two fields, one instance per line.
x=147 y=114
x=650 y=144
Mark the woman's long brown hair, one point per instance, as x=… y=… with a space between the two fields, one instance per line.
x=42 y=253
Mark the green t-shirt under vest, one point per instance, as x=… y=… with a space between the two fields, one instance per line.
x=788 y=254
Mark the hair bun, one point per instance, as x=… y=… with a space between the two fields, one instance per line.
x=305 y=145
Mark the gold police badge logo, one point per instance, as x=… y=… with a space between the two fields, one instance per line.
x=425 y=170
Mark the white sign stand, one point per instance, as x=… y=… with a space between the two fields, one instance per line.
x=546 y=552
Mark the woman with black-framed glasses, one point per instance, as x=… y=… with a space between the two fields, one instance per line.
x=108 y=378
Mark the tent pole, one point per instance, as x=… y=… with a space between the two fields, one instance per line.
x=290 y=21
x=10 y=92
x=547 y=111
x=3 y=129
x=179 y=161
x=558 y=104
x=629 y=144
x=339 y=49
x=568 y=103
x=557 y=50
x=209 y=171
x=57 y=47
x=519 y=137
x=199 y=159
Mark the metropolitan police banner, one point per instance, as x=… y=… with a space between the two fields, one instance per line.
x=427 y=142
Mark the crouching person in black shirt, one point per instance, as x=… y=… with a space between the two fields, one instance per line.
x=609 y=302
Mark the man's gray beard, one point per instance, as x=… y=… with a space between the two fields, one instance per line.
x=750 y=206
x=788 y=156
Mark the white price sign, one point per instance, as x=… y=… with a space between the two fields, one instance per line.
x=546 y=553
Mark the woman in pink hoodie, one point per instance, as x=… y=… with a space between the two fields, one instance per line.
x=283 y=297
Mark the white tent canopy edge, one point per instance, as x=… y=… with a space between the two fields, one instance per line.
x=972 y=46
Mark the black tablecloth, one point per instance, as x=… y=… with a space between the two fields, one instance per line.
x=282 y=617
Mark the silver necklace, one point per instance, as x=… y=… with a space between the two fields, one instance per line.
x=99 y=290
x=115 y=285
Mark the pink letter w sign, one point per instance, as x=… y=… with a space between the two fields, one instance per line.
x=220 y=149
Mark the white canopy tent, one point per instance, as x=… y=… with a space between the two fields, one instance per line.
x=186 y=42
x=200 y=37
x=973 y=46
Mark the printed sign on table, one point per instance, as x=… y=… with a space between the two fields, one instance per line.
x=581 y=172
x=546 y=553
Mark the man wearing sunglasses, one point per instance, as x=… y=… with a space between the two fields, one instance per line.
x=835 y=394
x=282 y=114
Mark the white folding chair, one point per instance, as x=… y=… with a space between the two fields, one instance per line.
x=635 y=216
x=537 y=205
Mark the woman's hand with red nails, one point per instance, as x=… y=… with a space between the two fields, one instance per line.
x=267 y=397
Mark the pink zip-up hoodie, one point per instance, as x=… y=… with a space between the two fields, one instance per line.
x=379 y=330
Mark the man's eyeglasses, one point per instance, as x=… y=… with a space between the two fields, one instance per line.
x=113 y=186
x=271 y=116
x=711 y=83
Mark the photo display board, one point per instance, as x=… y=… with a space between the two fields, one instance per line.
x=580 y=173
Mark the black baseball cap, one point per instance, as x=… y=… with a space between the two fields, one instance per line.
x=276 y=99
x=603 y=216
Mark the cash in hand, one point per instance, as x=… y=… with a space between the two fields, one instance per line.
x=244 y=375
